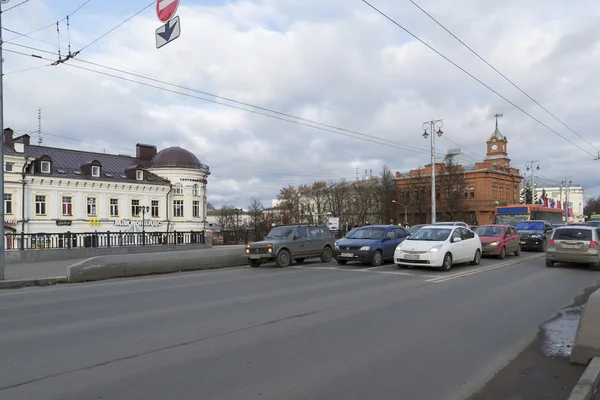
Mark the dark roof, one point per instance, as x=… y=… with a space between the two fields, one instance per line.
x=67 y=163
x=176 y=157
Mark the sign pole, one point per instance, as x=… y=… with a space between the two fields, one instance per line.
x=2 y=268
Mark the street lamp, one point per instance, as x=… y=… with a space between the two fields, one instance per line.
x=144 y=210
x=567 y=185
x=433 y=125
x=405 y=212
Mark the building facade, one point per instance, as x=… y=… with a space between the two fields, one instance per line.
x=466 y=189
x=570 y=198
x=55 y=190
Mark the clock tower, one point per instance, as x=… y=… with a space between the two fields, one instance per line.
x=497 y=147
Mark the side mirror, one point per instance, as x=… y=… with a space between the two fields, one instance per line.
x=297 y=236
x=456 y=240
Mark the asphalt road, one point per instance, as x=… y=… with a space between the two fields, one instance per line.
x=306 y=332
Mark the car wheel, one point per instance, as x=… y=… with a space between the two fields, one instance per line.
x=253 y=263
x=283 y=259
x=549 y=264
x=299 y=260
x=341 y=262
x=502 y=254
x=476 y=258
x=377 y=259
x=447 y=264
x=326 y=254
x=518 y=251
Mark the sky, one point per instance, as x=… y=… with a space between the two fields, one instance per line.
x=337 y=63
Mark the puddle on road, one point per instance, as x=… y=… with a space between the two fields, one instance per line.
x=559 y=333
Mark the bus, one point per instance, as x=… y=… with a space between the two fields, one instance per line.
x=511 y=215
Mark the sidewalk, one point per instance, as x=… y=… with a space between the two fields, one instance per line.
x=38 y=270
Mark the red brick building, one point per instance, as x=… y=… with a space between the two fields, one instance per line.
x=466 y=190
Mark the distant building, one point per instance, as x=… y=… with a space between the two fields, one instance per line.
x=569 y=198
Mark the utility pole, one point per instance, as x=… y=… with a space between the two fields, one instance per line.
x=432 y=125
x=2 y=150
x=530 y=168
x=567 y=182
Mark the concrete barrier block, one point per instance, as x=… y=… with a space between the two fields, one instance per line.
x=107 y=267
x=587 y=338
x=584 y=390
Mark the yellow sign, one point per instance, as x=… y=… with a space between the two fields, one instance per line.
x=94 y=222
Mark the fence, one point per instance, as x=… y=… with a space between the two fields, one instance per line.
x=68 y=240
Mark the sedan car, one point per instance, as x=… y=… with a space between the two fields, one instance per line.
x=369 y=244
x=497 y=240
x=575 y=244
x=440 y=247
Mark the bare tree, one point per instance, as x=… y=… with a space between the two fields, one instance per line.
x=418 y=195
x=257 y=219
x=453 y=189
x=289 y=204
x=385 y=194
x=210 y=207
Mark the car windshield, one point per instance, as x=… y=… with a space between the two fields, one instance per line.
x=573 y=234
x=367 y=233
x=415 y=229
x=489 y=231
x=530 y=226
x=430 y=234
x=280 y=233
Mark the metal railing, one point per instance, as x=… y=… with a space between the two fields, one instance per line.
x=70 y=240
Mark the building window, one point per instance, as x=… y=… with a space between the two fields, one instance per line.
x=135 y=208
x=67 y=205
x=155 y=209
x=139 y=175
x=501 y=193
x=466 y=193
x=40 y=205
x=514 y=194
x=196 y=209
x=472 y=192
x=95 y=171
x=494 y=192
x=114 y=207
x=196 y=190
x=45 y=167
x=178 y=208
x=178 y=189
x=91 y=206
x=7 y=203
x=8 y=167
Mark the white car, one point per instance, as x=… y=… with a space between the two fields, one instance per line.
x=440 y=247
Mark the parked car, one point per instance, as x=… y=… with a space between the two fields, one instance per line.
x=456 y=223
x=370 y=244
x=440 y=247
x=595 y=224
x=534 y=234
x=292 y=242
x=497 y=240
x=575 y=244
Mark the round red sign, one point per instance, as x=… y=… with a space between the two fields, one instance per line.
x=165 y=9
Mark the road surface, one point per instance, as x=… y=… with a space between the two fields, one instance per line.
x=315 y=331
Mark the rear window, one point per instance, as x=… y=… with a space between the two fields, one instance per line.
x=530 y=226
x=573 y=234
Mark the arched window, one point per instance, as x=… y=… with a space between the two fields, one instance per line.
x=178 y=188
x=196 y=190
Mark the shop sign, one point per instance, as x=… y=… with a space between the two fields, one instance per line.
x=63 y=222
x=10 y=221
x=126 y=222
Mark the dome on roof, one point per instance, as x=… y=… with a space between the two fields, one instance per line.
x=175 y=157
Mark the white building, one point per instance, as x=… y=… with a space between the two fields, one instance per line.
x=573 y=194
x=54 y=190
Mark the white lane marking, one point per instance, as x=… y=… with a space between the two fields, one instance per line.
x=368 y=270
x=485 y=269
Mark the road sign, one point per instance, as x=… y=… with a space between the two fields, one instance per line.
x=168 y=32
x=165 y=9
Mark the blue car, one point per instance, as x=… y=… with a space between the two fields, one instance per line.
x=371 y=244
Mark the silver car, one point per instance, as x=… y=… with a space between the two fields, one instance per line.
x=574 y=244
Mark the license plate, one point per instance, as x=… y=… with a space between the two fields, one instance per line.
x=522 y=242
x=571 y=246
x=411 y=256
x=347 y=255
x=254 y=256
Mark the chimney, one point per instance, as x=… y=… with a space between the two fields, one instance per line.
x=8 y=137
x=144 y=152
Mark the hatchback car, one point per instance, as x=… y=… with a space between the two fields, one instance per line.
x=498 y=240
x=440 y=247
x=574 y=244
x=370 y=244
x=291 y=242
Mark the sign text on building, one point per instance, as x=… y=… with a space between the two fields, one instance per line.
x=125 y=222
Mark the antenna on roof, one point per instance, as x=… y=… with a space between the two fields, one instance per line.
x=39 y=126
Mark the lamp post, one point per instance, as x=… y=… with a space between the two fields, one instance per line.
x=2 y=152
x=567 y=183
x=145 y=209
x=530 y=168
x=405 y=212
x=432 y=126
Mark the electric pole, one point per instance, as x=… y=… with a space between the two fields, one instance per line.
x=530 y=168
x=2 y=149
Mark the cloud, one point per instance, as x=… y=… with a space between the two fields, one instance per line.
x=338 y=63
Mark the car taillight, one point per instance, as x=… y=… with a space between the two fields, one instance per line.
x=551 y=242
x=593 y=244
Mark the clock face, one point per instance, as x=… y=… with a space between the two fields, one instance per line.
x=494 y=147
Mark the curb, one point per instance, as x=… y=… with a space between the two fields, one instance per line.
x=584 y=390
x=20 y=283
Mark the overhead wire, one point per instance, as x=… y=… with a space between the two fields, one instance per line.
x=475 y=78
x=15 y=6
x=501 y=74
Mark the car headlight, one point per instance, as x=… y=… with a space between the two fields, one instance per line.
x=270 y=248
x=337 y=246
x=365 y=248
x=536 y=236
x=435 y=248
x=247 y=249
x=493 y=244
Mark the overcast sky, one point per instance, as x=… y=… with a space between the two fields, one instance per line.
x=337 y=62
